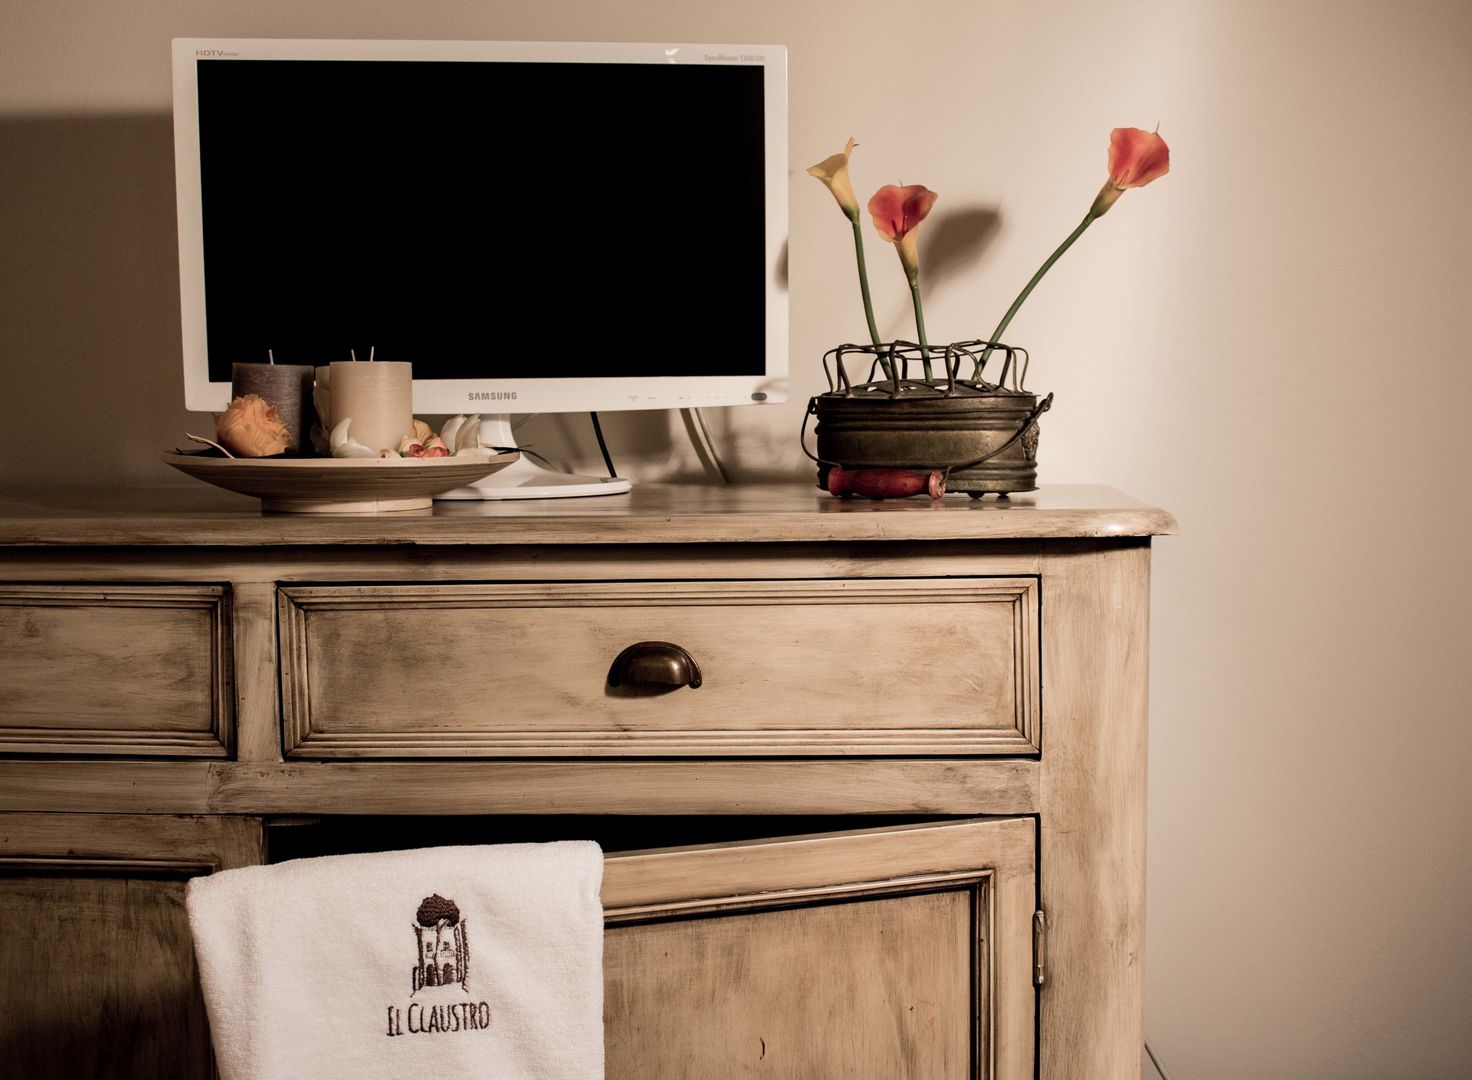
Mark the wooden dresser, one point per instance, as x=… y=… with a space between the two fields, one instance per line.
x=896 y=830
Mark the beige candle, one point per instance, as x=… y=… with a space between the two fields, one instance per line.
x=379 y=398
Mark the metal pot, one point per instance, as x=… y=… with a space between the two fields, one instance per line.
x=982 y=435
x=984 y=439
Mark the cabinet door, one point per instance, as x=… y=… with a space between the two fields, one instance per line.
x=97 y=965
x=874 y=955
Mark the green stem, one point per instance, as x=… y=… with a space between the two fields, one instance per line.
x=920 y=325
x=1011 y=311
x=868 y=303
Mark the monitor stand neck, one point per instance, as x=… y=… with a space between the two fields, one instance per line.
x=525 y=478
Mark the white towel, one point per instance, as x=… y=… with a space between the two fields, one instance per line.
x=457 y=963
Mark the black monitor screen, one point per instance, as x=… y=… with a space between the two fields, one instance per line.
x=484 y=220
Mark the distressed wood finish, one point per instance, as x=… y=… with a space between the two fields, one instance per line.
x=1095 y=646
x=257 y=689
x=652 y=514
x=789 y=668
x=793 y=957
x=431 y=565
x=865 y=786
x=114 y=669
x=914 y=943
x=100 y=981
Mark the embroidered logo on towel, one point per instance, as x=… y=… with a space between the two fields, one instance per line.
x=444 y=948
x=440 y=977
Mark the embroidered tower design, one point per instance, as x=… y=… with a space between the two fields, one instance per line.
x=442 y=946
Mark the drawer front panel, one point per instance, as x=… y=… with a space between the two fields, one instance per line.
x=114 y=669
x=837 y=667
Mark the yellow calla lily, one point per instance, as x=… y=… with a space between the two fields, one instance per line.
x=833 y=171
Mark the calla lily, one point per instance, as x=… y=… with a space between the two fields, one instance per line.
x=896 y=212
x=1136 y=157
x=833 y=171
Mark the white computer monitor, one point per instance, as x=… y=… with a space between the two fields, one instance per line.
x=537 y=227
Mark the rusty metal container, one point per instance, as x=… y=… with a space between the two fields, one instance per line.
x=985 y=442
x=982 y=435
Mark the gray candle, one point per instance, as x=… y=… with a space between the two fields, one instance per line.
x=287 y=386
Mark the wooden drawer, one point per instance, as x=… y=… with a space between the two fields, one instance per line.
x=944 y=666
x=114 y=669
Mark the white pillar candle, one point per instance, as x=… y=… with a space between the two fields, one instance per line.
x=379 y=398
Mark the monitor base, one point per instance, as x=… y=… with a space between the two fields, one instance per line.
x=525 y=479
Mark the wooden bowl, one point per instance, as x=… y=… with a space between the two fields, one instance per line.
x=338 y=485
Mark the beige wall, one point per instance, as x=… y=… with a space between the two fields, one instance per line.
x=1272 y=342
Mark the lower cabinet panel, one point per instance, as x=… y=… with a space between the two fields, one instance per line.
x=885 y=953
x=895 y=952
x=102 y=981
x=97 y=974
x=874 y=988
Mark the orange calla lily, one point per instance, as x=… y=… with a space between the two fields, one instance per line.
x=833 y=171
x=896 y=212
x=1136 y=157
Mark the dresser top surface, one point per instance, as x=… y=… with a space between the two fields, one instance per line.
x=652 y=513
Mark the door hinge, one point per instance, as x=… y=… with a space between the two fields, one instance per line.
x=1039 y=947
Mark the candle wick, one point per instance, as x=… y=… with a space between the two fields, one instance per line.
x=371 y=348
x=354 y=354
x=271 y=356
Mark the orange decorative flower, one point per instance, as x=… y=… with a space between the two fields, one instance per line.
x=896 y=212
x=1136 y=158
x=251 y=427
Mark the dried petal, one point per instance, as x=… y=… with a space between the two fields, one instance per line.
x=251 y=427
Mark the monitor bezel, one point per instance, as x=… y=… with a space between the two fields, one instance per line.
x=441 y=396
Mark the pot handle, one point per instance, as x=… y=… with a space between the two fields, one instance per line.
x=802 y=436
x=1042 y=407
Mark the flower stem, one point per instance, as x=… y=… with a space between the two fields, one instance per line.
x=1011 y=311
x=920 y=325
x=868 y=303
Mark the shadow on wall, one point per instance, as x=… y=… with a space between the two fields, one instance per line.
x=89 y=315
x=955 y=240
x=952 y=242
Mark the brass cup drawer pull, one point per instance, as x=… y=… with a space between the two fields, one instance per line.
x=655 y=665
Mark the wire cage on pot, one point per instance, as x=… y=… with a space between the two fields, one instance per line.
x=982 y=435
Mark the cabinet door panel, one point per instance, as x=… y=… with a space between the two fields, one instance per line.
x=770 y=989
x=876 y=954
x=101 y=982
